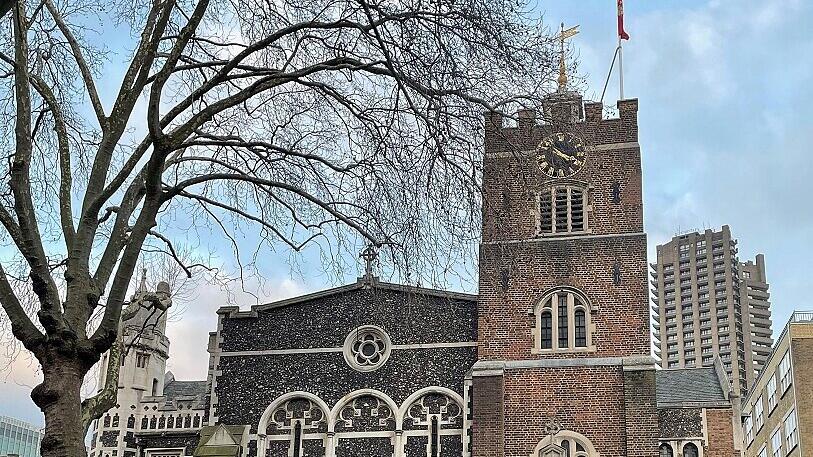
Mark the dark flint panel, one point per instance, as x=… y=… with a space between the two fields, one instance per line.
x=368 y=447
x=248 y=384
x=681 y=422
x=326 y=321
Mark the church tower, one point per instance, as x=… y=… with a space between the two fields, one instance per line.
x=141 y=375
x=564 y=366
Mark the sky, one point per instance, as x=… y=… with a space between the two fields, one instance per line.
x=725 y=123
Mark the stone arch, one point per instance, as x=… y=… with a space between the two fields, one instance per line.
x=539 y=299
x=265 y=439
x=337 y=409
x=552 y=445
x=402 y=411
x=579 y=336
x=264 y=418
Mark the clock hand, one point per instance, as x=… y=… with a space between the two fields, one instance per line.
x=563 y=155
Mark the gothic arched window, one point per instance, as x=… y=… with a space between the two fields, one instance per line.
x=580 y=328
x=563 y=322
x=567 y=444
x=690 y=450
x=665 y=451
x=546 y=329
x=563 y=209
x=297 y=441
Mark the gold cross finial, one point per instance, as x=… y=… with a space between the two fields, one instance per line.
x=563 y=35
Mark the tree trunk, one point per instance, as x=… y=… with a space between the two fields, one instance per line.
x=59 y=399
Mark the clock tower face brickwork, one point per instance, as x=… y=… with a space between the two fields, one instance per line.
x=564 y=364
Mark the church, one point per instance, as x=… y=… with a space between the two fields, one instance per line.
x=552 y=358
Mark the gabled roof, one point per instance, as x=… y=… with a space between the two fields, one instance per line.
x=362 y=283
x=690 y=387
x=177 y=389
x=220 y=440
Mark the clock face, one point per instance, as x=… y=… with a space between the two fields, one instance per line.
x=561 y=155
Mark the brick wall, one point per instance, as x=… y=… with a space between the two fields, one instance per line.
x=487 y=411
x=595 y=401
x=640 y=412
x=802 y=350
x=621 y=315
x=720 y=433
x=586 y=400
x=511 y=177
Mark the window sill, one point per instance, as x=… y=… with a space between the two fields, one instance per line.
x=584 y=350
x=559 y=234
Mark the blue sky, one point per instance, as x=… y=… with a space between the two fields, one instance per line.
x=726 y=124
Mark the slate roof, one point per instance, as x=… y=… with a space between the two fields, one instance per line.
x=689 y=386
x=176 y=389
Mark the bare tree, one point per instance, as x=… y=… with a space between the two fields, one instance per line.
x=327 y=122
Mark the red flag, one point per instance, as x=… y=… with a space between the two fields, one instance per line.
x=621 y=33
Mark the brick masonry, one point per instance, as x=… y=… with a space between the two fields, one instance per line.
x=615 y=410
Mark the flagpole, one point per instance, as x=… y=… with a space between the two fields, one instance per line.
x=620 y=69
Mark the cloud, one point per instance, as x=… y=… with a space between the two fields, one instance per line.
x=189 y=331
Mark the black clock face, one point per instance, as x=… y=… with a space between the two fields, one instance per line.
x=561 y=155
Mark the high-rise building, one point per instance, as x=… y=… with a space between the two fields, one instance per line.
x=777 y=415
x=18 y=438
x=754 y=298
x=707 y=303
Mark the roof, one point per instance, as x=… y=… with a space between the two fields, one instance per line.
x=176 y=389
x=362 y=283
x=689 y=387
x=220 y=440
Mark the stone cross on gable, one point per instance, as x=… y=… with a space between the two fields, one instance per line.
x=369 y=255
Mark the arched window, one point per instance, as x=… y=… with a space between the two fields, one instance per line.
x=580 y=328
x=434 y=443
x=566 y=444
x=665 y=451
x=144 y=423
x=690 y=450
x=563 y=322
x=115 y=420
x=196 y=421
x=107 y=420
x=154 y=387
x=297 y=441
x=563 y=209
x=546 y=329
x=566 y=447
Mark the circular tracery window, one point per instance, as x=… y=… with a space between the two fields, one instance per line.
x=367 y=348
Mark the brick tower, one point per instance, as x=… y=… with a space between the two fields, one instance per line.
x=564 y=366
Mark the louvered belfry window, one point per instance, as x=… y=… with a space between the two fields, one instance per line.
x=562 y=210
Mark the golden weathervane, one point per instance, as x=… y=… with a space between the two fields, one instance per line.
x=563 y=35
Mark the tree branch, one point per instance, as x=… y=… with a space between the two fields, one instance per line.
x=84 y=69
